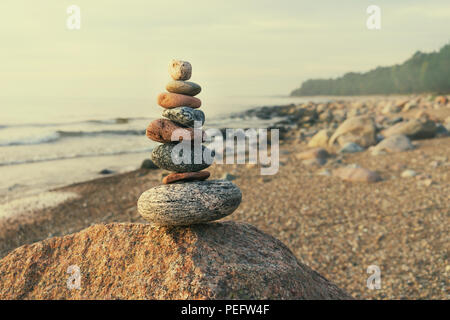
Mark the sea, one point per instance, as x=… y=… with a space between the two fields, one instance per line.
x=45 y=144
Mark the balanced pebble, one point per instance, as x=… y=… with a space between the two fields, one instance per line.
x=185 y=116
x=189 y=203
x=180 y=70
x=183 y=87
x=174 y=100
x=186 y=176
x=164 y=156
x=163 y=130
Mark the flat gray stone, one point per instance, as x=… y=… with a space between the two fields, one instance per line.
x=162 y=157
x=189 y=202
x=183 y=87
x=185 y=116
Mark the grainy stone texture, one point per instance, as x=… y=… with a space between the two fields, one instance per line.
x=186 y=176
x=189 y=203
x=183 y=87
x=185 y=116
x=137 y=261
x=161 y=130
x=162 y=157
x=180 y=70
x=175 y=100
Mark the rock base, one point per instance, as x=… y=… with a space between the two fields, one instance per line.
x=136 y=261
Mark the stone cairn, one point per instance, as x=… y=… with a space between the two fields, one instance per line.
x=185 y=197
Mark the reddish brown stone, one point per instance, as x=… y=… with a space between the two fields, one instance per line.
x=161 y=130
x=225 y=260
x=186 y=176
x=174 y=100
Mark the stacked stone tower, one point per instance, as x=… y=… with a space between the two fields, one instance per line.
x=185 y=197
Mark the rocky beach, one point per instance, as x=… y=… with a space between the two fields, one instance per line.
x=362 y=181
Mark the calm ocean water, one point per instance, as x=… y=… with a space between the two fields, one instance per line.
x=43 y=146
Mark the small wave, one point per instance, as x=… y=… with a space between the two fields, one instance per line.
x=75 y=156
x=31 y=140
x=60 y=134
x=60 y=124
x=101 y=132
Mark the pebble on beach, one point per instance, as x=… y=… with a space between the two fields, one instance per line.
x=189 y=203
x=186 y=176
x=350 y=147
x=163 y=130
x=185 y=116
x=180 y=70
x=356 y=174
x=162 y=157
x=183 y=87
x=175 y=100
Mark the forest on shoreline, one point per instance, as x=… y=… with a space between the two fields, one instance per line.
x=422 y=73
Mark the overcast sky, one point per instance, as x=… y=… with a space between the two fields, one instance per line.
x=236 y=47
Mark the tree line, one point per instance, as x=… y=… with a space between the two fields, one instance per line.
x=423 y=72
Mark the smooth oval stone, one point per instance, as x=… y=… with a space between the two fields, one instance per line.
x=180 y=70
x=185 y=116
x=162 y=157
x=186 y=176
x=162 y=130
x=174 y=100
x=189 y=203
x=183 y=87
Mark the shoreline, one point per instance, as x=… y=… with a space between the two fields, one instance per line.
x=336 y=227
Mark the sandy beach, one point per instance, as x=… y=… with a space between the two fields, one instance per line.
x=338 y=228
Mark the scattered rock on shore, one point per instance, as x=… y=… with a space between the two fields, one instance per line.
x=106 y=171
x=350 y=147
x=408 y=173
x=413 y=129
x=356 y=174
x=395 y=143
x=148 y=164
x=316 y=153
x=360 y=130
x=320 y=139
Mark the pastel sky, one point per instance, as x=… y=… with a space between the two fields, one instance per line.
x=241 y=47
